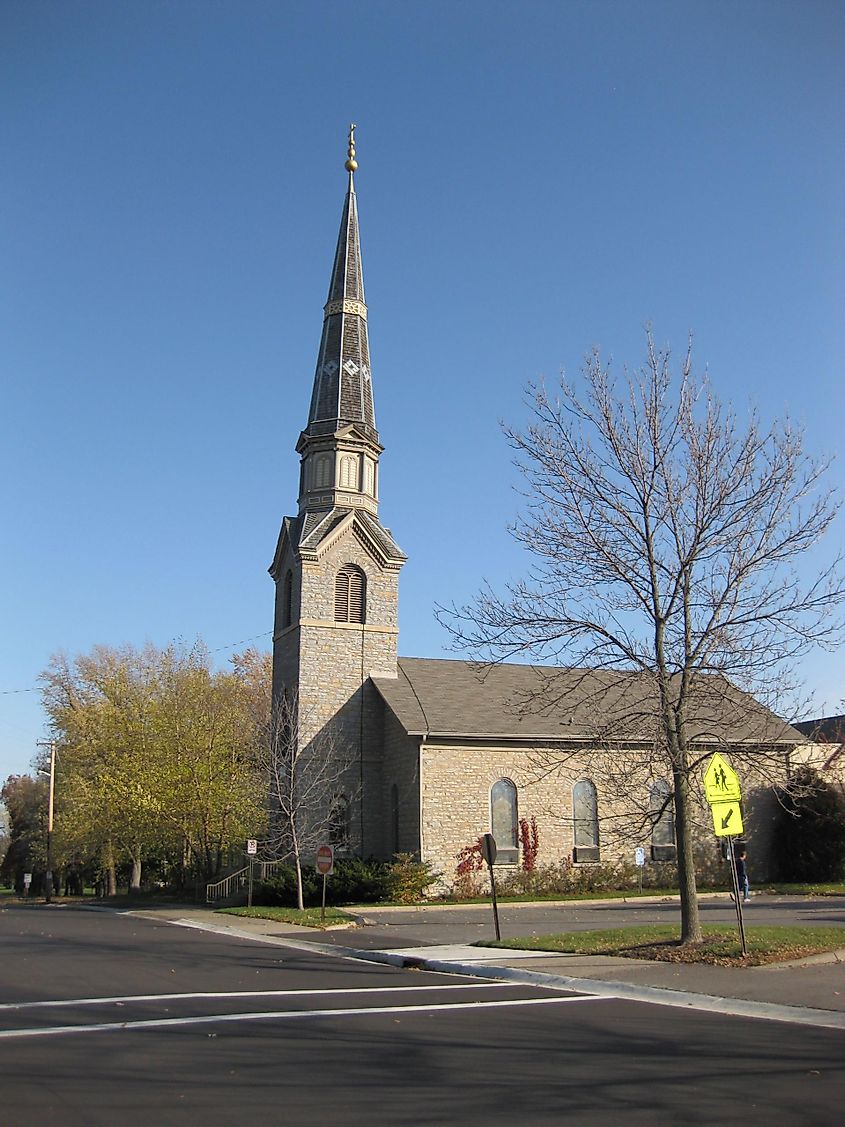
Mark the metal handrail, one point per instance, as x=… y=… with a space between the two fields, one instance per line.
x=228 y=886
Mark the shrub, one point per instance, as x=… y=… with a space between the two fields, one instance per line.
x=562 y=879
x=353 y=881
x=279 y=889
x=530 y=840
x=468 y=880
x=410 y=879
x=358 y=882
x=810 y=836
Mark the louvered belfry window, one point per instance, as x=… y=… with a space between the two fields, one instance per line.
x=350 y=595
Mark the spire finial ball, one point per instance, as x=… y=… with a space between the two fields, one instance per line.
x=351 y=163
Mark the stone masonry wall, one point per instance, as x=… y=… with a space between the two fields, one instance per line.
x=400 y=769
x=455 y=798
x=329 y=663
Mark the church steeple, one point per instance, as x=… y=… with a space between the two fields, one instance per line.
x=336 y=567
x=340 y=445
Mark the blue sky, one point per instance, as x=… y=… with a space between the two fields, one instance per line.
x=535 y=179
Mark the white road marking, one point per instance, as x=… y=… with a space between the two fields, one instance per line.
x=280 y=1015
x=597 y=988
x=128 y=998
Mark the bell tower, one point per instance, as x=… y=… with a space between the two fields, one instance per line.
x=336 y=567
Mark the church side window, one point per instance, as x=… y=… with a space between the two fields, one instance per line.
x=585 y=815
x=662 y=822
x=504 y=821
x=339 y=821
x=322 y=471
x=287 y=599
x=348 y=472
x=350 y=595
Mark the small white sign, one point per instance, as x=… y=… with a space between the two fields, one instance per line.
x=639 y=856
x=27 y=879
x=252 y=847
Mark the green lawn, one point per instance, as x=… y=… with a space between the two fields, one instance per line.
x=661 y=942
x=829 y=888
x=310 y=917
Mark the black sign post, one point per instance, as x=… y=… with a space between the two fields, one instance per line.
x=251 y=849
x=488 y=852
x=737 y=895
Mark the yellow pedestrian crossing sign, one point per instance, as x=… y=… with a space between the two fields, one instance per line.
x=727 y=818
x=721 y=782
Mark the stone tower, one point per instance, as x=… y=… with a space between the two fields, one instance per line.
x=336 y=567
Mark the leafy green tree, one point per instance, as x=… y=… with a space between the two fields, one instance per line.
x=213 y=792
x=25 y=799
x=157 y=755
x=102 y=707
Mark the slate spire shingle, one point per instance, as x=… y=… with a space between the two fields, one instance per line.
x=342 y=382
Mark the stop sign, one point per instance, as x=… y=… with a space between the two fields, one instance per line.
x=325 y=860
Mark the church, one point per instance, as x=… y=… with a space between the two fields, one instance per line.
x=435 y=752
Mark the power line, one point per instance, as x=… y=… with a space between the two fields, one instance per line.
x=242 y=642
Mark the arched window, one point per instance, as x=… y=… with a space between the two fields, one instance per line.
x=585 y=817
x=370 y=477
x=287 y=599
x=504 y=821
x=350 y=595
x=394 y=818
x=662 y=822
x=322 y=471
x=348 y=472
x=339 y=821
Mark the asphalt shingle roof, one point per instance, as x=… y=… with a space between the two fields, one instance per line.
x=438 y=697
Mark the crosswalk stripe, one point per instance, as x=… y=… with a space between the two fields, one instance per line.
x=129 y=998
x=283 y=1015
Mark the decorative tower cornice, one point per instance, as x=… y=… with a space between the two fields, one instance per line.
x=340 y=445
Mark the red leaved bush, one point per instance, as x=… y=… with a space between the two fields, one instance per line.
x=530 y=841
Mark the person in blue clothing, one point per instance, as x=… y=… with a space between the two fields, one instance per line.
x=741 y=858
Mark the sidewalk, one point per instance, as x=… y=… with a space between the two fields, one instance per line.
x=813 y=986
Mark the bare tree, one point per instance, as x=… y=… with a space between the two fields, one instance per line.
x=669 y=545
x=313 y=784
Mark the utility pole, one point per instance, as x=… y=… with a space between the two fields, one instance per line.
x=48 y=876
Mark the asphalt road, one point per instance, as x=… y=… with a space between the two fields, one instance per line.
x=136 y=1020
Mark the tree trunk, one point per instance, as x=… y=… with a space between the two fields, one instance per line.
x=108 y=865
x=135 y=879
x=690 y=922
x=298 y=867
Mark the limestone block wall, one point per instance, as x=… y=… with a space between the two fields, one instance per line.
x=317 y=598
x=456 y=780
x=329 y=663
x=455 y=800
x=400 y=769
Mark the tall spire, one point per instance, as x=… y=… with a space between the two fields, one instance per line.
x=342 y=392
